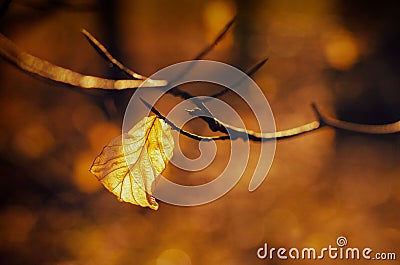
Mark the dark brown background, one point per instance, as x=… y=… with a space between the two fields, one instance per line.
x=344 y=55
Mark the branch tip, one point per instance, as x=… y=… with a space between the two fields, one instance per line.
x=317 y=113
x=219 y=37
x=256 y=67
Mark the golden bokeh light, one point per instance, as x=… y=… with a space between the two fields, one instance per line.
x=16 y=223
x=215 y=16
x=173 y=256
x=33 y=141
x=83 y=179
x=101 y=133
x=341 y=50
x=85 y=116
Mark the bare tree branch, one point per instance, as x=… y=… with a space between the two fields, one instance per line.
x=323 y=121
x=42 y=68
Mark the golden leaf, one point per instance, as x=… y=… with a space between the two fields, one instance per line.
x=129 y=164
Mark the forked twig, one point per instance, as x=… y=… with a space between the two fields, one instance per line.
x=176 y=91
x=42 y=68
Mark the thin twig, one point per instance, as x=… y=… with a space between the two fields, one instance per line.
x=219 y=37
x=176 y=91
x=102 y=50
x=181 y=131
x=42 y=68
x=250 y=72
x=207 y=115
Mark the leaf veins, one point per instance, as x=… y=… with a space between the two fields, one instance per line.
x=129 y=165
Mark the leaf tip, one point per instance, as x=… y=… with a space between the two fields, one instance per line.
x=152 y=202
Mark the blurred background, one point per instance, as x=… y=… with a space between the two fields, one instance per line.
x=342 y=55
